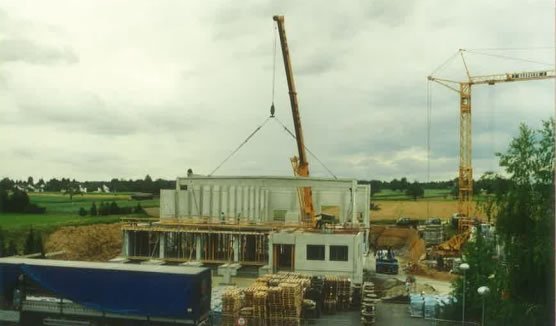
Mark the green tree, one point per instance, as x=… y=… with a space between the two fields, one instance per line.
x=479 y=253
x=415 y=190
x=82 y=211
x=525 y=223
x=2 y=243
x=138 y=208
x=12 y=249
x=93 y=210
x=39 y=246
x=30 y=243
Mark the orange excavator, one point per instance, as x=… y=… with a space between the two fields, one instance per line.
x=299 y=163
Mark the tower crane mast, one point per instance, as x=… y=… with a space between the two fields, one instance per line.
x=463 y=88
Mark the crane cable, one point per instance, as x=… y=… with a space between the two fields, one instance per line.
x=429 y=118
x=508 y=57
x=273 y=74
x=308 y=150
x=240 y=146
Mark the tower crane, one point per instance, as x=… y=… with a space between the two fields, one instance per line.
x=299 y=164
x=463 y=88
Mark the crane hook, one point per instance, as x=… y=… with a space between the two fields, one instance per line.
x=272 y=110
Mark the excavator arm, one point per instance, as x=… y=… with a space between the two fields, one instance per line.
x=299 y=164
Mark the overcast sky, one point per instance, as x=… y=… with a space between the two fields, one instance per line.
x=99 y=89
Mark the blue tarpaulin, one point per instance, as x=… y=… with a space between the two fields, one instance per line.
x=161 y=291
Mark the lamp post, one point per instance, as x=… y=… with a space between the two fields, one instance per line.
x=483 y=292
x=464 y=267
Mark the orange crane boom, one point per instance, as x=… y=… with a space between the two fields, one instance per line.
x=300 y=164
x=463 y=88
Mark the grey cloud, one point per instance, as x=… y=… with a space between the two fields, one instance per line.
x=23 y=50
x=390 y=12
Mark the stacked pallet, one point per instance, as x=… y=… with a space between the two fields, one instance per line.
x=293 y=301
x=231 y=306
x=368 y=303
x=275 y=306
x=343 y=289
x=259 y=307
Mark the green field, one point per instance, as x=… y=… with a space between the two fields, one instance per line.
x=61 y=211
x=436 y=194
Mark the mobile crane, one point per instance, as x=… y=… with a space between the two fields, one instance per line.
x=299 y=163
x=463 y=88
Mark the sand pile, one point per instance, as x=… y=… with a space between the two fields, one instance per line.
x=405 y=241
x=99 y=242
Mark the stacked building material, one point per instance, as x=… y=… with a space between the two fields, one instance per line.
x=368 y=303
x=343 y=288
x=231 y=306
x=433 y=234
x=275 y=304
x=259 y=307
x=292 y=300
x=355 y=296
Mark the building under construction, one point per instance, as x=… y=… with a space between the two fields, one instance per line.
x=258 y=221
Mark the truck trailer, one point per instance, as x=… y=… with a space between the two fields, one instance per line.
x=54 y=292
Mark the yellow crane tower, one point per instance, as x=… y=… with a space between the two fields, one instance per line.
x=463 y=88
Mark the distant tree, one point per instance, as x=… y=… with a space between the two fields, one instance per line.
x=4 y=198
x=93 y=210
x=39 y=246
x=30 y=181
x=395 y=184
x=2 y=243
x=138 y=208
x=82 y=211
x=415 y=190
x=30 y=243
x=72 y=189
x=12 y=249
x=6 y=184
x=114 y=209
x=403 y=184
x=19 y=200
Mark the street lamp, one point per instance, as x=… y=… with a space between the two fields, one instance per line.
x=483 y=292
x=464 y=267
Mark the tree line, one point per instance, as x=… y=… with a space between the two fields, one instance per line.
x=33 y=244
x=146 y=184
x=17 y=201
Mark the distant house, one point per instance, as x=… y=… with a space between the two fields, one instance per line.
x=142 y=196
x=82 y=189
x=105 y=188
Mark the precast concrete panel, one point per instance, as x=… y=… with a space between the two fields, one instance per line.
x=257 y=198
x=167 y=203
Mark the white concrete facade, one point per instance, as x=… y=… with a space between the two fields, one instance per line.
x=264 y=199
x=352 y=267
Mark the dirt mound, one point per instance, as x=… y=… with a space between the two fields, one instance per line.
x=422 y=270
x=99 y=242
x=405 y=241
